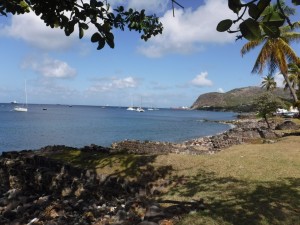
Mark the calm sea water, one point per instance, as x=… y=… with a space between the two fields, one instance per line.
x=78 y=126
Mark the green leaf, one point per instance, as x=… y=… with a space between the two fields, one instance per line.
x=254 y=11
x=99 y=4
x=234 y=5
x=250 y=29
x=110 y=40
x=96 y=37
x=262 y=4
x=84 y=26
x=271 y=31
x=296 y=2
x=274 y=19
x=81 y=32
x=106 y=27
x=25 y=6
x=93 y=3
x=101 y=43
x=224 y=25
x=69 y=28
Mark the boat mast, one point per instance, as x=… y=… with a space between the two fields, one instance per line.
x=26 y=93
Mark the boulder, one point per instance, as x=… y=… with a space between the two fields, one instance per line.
x=287 y=125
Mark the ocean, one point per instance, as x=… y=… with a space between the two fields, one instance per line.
x=77 y=126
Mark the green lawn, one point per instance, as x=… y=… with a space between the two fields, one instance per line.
x=245 y=184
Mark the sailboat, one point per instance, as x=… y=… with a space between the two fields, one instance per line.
x=131 y=108
x=140 y=109
x=22 y=108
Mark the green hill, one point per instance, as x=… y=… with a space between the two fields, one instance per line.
x=239 y=99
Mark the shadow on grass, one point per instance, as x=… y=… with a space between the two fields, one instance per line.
x=227 y=200
x=232 y=201
x=136 y=169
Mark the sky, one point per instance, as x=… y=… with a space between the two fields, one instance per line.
x=190 y=58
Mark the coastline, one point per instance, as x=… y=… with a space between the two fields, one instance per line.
x=241 y=130
x=37 y=189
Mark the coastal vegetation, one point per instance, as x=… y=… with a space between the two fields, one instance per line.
x=269 y=83
x=266 y=105
x=269 y=25
x=276 y=51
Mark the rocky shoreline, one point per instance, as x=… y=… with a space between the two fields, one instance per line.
x=242 y=131
x=37 y=190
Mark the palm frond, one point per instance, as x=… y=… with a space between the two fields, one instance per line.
x=251 y=45
x=291 y=37
x=262 y=58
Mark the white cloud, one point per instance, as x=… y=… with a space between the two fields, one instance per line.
x=201 y=80
x=220 y=90
x=111 y=84
x=51 y=68
x=279 y=80
x=33 y=30
x=189 y=30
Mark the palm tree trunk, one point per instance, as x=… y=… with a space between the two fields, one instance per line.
x=292 y=90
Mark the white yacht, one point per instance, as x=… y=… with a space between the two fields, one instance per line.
x=22 y=108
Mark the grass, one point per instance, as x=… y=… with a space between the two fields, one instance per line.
x=244 y=184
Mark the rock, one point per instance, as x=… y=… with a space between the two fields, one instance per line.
x=121 y=215
x=154 y=213
x=10 y=214
x=287 y=125
x=147 y=223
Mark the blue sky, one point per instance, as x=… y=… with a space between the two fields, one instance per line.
x=170 y=70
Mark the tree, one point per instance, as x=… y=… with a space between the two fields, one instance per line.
x=263 y=20
x=267 y=104
x=269 y=83
x=68 y=14
x=276 y=53
x=294 y=77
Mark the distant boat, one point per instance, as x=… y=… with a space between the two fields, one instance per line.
x=131 y=109
x=14 y=102
x=153 y=109
x=140 y=109
x=22 y=108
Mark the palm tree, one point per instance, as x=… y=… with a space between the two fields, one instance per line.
x=276 y=53
x=294 y=77
x=269 y=83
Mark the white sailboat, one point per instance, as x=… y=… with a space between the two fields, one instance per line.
x=140 y=109
x=131 y=108
x=22 y=108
